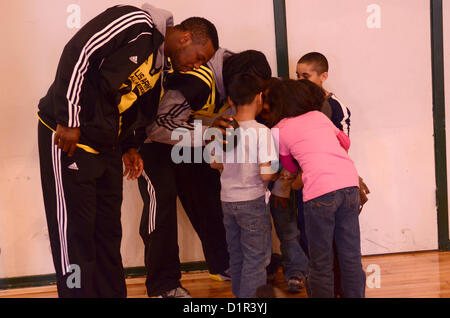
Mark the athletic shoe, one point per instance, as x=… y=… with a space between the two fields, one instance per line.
x=221 y=277
x=178 y=292
x=295 y=284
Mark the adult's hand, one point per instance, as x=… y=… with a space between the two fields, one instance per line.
x=222 y=123
x=67 y=138
x=134 y=165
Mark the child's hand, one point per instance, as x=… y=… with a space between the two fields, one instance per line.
x=363 y=191
x=286 y=175
x=298 y=182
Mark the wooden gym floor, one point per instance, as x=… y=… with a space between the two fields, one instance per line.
x=412 y=275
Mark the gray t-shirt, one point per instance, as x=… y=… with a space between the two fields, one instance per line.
x=240 y=179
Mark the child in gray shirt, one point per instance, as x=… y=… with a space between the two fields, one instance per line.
x=247 y=169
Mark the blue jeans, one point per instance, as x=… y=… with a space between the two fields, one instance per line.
x=295 y=262
x=334 y=216
x=249 y=239
x=301 y=221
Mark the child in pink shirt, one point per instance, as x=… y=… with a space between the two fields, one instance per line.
x=307 y=138
x=320 y=149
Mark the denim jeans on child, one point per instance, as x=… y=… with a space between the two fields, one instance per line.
x=304 y=243
x=334 y=216
x=301 y=221
x=248 y=232
x=295 y=262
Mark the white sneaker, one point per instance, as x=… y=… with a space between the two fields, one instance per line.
x=178 y=292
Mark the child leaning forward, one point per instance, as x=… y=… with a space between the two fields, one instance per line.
x=244 y=179
x=330 y=193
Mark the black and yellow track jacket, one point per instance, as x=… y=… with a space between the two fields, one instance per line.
x=197 y=94
x=108 y=79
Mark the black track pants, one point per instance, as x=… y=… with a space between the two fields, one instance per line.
x=198 y=187
x=82 y=198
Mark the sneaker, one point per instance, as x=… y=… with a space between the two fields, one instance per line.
x=295 y=284
x=178 y=292
x=221 y=277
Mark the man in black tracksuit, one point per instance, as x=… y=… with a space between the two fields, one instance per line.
x=107 y=84
x=198 y=94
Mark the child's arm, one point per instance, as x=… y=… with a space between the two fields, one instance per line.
x=267 y=155
x=363 y=192
x=288 y=163
x=266 y=172
x=344 y=140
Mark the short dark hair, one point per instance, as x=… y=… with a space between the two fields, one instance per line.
x=250 y=61
x=291 y=98
x=319 y=61
x=244 y=87
x=202 y=30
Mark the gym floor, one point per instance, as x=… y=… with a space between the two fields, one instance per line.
x=409 y=275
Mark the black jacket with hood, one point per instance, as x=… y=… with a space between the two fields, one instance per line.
x=108 y=80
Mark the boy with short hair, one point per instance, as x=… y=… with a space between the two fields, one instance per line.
x=314 y=66
x=244 y=181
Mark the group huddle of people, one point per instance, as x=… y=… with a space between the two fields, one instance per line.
x=125 y=83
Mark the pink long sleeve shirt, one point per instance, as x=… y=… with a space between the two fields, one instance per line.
x=320 y=149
